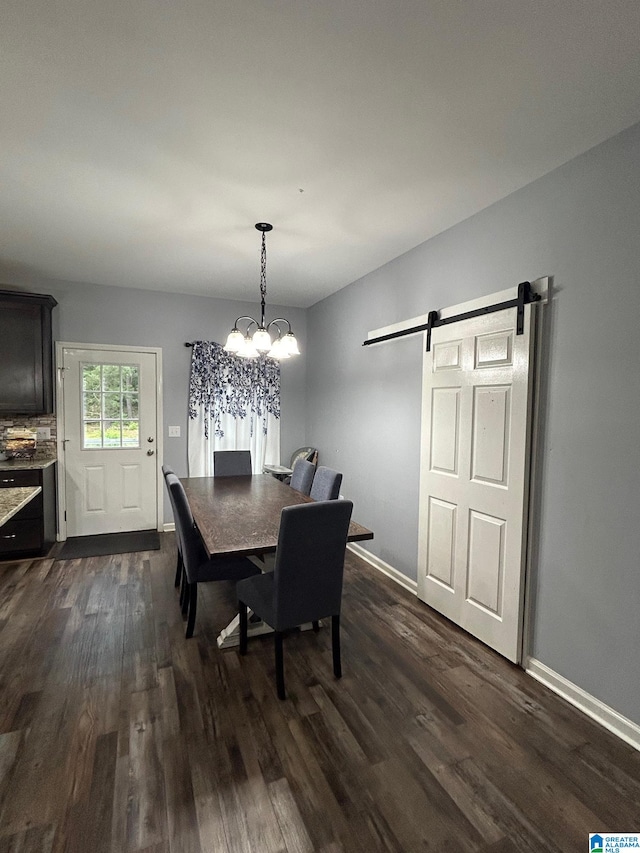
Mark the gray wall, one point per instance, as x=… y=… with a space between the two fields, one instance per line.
x=581 y=225
x=114 y=315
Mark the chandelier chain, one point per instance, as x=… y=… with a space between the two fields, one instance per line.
x=263 y=274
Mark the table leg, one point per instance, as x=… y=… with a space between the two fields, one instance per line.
x=230 y=636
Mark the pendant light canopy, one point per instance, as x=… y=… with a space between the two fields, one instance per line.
x=257 y=341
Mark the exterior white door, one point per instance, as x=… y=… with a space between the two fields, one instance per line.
x=110 y=440
x=477 y=399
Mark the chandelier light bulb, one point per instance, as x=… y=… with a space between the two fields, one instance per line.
x=247 y=350
x=235 y=341
x=262 y=340
x=290 y=344
x=277 y=350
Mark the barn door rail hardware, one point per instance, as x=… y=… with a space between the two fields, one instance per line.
x=525 y=296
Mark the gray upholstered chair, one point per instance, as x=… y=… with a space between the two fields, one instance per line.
x=231 y=463
x=302 y=476
x=326 y=484
x=166 y=470
x=306 y=583
x=199 y=567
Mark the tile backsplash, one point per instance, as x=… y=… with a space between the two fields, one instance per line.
x=44 y=447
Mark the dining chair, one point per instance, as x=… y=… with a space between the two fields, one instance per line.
x=302 y=476
x=166 y=470
x=231 y=463
x=199 y=567
x=326 y=484
x=306 y=583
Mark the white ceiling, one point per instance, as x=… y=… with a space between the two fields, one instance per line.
x=142 y=139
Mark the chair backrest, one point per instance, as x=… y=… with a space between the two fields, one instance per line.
x=310 y=562
x=302 y=476
x=194 y=553
x=168 y=471
x=326 y=484
x=231 y=463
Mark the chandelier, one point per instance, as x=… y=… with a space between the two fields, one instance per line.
x=257 y=341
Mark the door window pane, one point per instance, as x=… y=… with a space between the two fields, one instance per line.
x=112 y=434
x=129 y=378
x=111 y=377
x=92 y=377
x=110 y=406
x=129 y=405
x=92 y=406
x=92 y=434
x=131 y=433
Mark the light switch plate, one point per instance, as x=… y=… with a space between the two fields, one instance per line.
x=43 y=433
x=174 y=432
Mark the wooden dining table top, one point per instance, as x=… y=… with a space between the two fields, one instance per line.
x=241 y=515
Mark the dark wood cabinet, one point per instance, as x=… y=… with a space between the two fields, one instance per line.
x=26 y=361
x=32 y=531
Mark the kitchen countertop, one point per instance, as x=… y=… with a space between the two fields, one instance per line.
x=12 y=500
x=27 y=464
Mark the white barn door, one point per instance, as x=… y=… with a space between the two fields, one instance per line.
x=477 y=400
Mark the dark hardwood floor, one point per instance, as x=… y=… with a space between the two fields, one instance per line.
x=117 y=734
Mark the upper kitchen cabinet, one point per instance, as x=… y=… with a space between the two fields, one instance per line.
x=26 y=363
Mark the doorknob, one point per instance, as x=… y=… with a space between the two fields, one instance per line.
x=150 y=439
x=150 y=452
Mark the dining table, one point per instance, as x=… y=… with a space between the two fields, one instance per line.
x=240 y=516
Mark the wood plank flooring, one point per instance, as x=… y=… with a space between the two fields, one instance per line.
x=117 y=734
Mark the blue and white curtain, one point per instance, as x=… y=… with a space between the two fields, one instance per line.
x=234 y=404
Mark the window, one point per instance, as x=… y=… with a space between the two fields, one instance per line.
x=110 y=412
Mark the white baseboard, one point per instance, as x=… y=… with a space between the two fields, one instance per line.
x=625 y=729
x=385 y=568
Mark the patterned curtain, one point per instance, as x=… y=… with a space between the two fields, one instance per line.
x=234 y=404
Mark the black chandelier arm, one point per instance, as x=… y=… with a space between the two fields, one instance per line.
x=244 y=317
x=280 y=320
